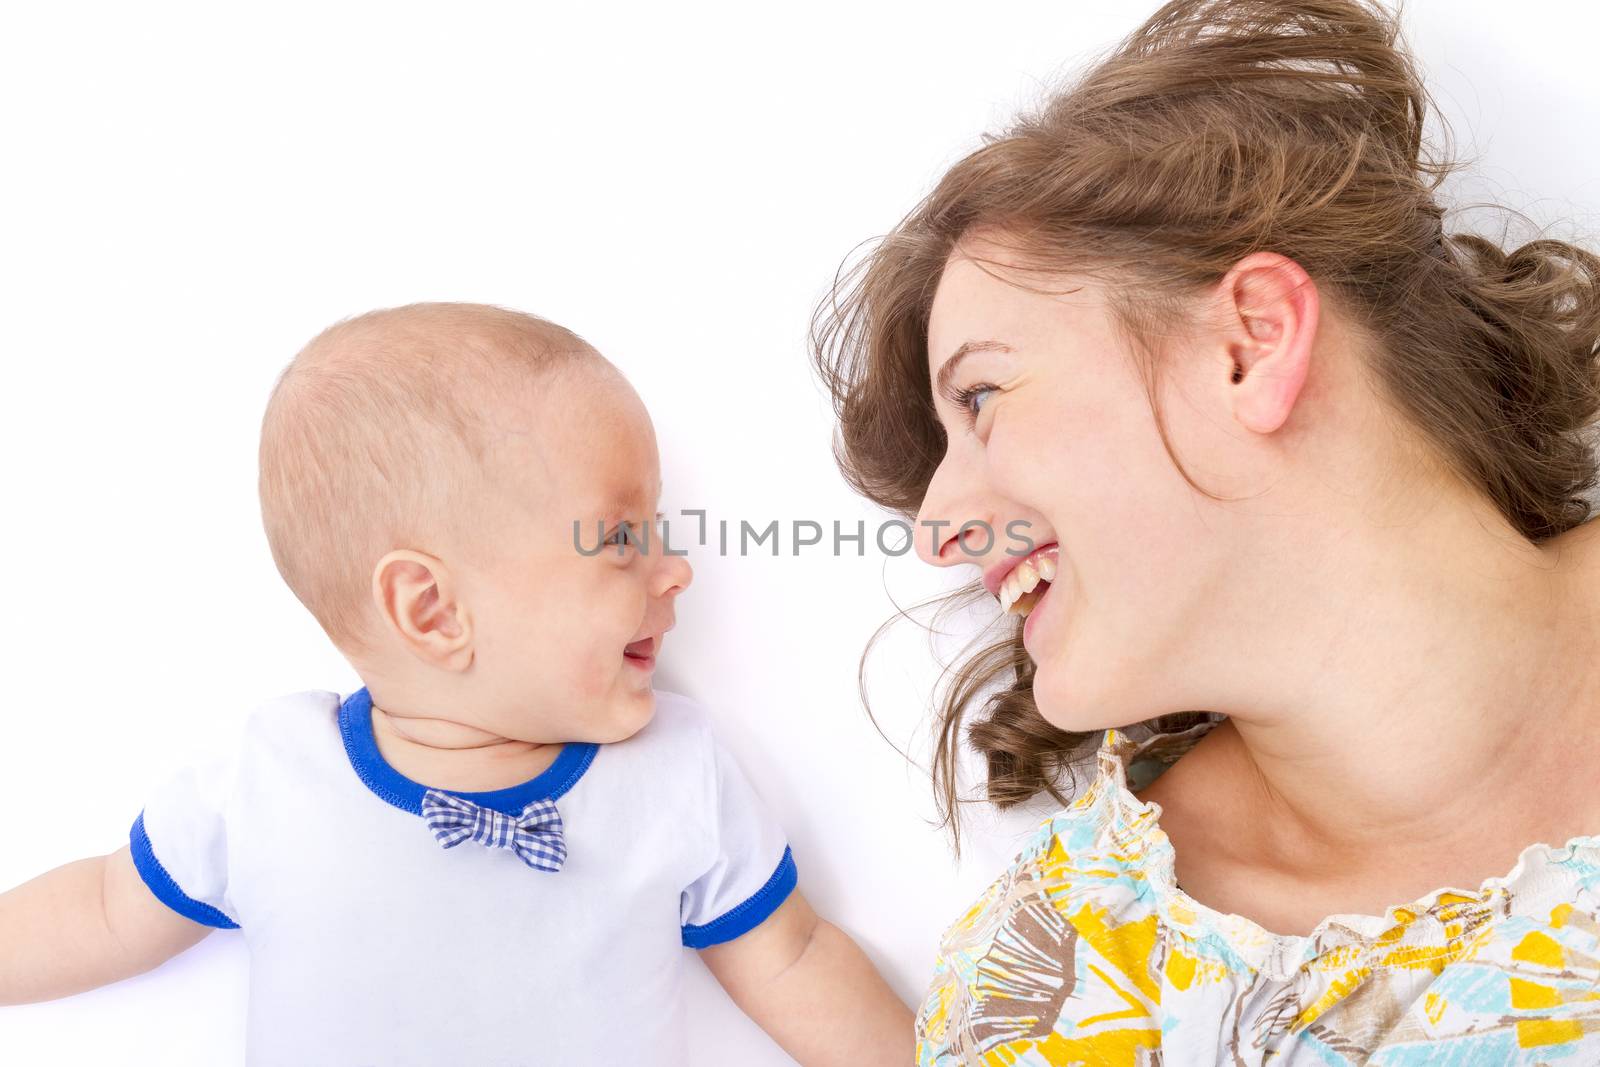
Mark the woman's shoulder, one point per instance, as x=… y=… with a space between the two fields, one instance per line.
x=1108 y=809
x=1074 y=900
x=1088 y=921
x=1104 y=849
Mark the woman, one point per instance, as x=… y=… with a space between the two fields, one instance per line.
x=1302 y=477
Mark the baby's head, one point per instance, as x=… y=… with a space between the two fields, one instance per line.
x=422 y=469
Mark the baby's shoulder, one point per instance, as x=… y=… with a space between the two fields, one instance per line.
x=241 y=749
x=298 y=729
x=232 y=725
x=293 y=716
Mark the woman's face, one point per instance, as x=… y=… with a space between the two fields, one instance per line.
x=1049 y=428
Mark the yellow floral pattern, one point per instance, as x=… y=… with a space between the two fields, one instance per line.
x=1085 y=952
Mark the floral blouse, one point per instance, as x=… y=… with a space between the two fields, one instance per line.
x=1086 y=952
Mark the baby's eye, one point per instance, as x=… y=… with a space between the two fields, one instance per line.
x=637 y=534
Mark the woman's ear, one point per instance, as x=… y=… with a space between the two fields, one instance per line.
x=1270 y=306
x=416 y=601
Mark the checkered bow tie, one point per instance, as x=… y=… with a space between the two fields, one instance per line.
x=535 y=835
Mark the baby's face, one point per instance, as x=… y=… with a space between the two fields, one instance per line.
x=566 y=642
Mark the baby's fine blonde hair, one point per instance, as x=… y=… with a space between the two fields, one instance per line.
x=378 y=436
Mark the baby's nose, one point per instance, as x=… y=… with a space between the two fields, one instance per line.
x=673 y=575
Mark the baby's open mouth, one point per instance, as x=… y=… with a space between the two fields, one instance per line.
x=1028 y=581
x=642 y=649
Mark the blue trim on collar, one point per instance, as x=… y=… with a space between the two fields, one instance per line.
x=742 y=918
x=355 y=726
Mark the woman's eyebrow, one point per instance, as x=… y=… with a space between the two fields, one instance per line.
x=966 y=349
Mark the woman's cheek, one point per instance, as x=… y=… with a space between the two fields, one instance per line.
x=1026 y=461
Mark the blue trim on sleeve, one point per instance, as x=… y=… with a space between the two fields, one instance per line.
x=745 y=917
x=389 y=785
x=166 y=890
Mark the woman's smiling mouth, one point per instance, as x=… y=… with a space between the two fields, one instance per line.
x=1019 y=586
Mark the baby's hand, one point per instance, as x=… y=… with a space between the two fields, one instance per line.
x=83 y=925
x=813 y=990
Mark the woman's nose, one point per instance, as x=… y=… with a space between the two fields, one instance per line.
x=946 y=521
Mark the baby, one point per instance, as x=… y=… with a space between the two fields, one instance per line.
x=494 y=851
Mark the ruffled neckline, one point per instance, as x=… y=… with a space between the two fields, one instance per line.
x=1132 y=826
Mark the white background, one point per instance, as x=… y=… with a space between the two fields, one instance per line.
x=187 y=194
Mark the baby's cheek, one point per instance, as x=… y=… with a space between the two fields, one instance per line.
x=590 y=677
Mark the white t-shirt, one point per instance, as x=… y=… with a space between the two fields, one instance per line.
x=372 y=945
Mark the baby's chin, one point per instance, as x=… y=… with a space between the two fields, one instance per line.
x=625 y=715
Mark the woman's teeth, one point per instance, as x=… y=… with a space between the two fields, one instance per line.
x=1020 y=591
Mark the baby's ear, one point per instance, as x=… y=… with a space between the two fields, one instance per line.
x=415 y=596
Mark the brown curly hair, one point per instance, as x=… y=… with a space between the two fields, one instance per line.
x=1216 y=129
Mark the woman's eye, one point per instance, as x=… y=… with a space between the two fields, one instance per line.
x=970 y=400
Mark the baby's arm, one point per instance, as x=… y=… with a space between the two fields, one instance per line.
x=83 y=925
x=804 y=982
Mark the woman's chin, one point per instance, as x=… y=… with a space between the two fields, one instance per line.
x=1071 y=706
x=1057 y=701
x=1069 y=697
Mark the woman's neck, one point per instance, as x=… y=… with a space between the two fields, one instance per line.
x=1445 y=680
